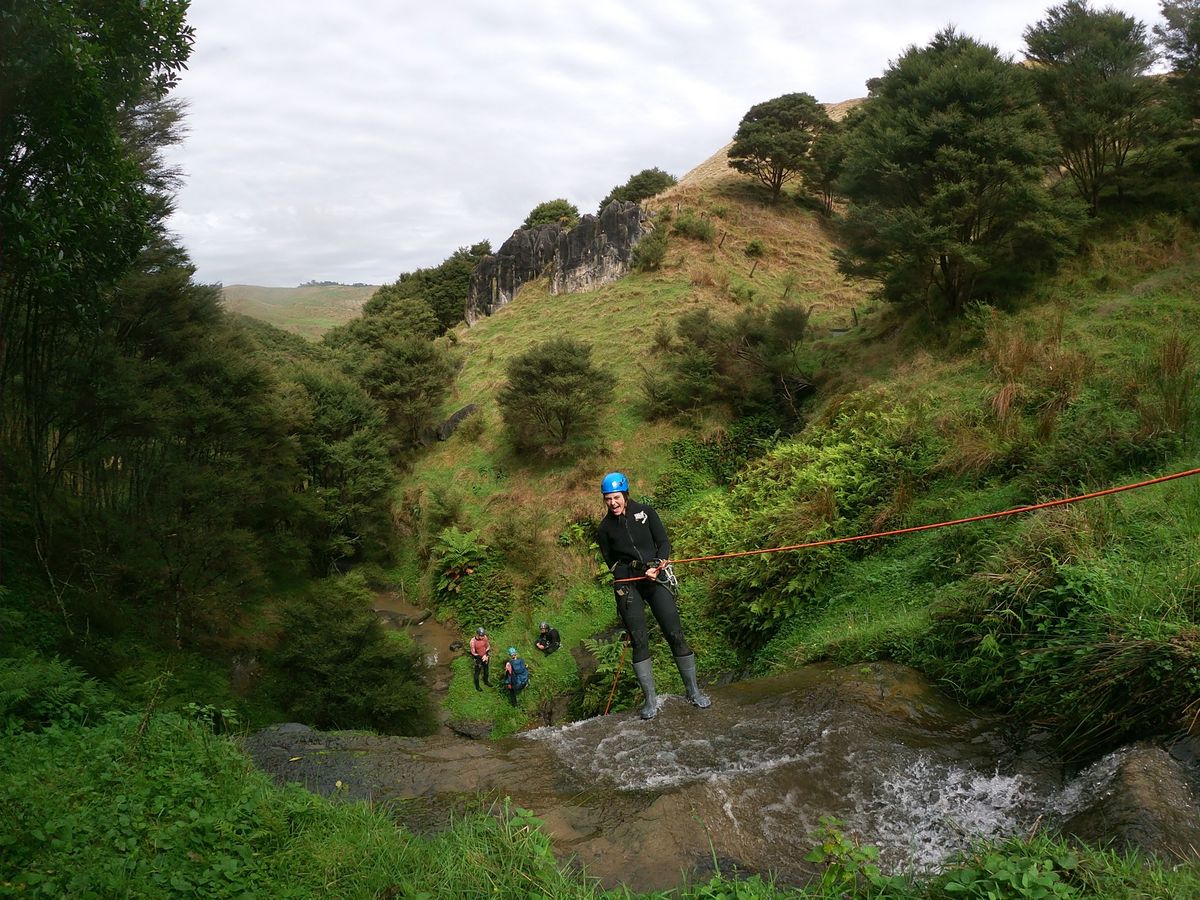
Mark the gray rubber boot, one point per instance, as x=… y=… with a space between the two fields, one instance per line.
x=687 y=671
x=644 y=671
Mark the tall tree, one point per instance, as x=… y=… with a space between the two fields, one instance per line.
x=78 y=203
x=1089 y=67
x=554 y=395
x=828 y=153
x=945 y=177
x=1179 y=38
x=773 y=140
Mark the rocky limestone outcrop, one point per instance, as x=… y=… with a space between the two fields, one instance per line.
x=596 y=251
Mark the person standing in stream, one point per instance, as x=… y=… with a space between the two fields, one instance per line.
x=635 y=545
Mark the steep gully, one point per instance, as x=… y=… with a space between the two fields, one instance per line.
x=745 y=782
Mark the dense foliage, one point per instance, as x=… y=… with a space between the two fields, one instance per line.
x=640 y=186
x=1179 y=38
x=443 y=287
x=945 y=175
x=553 y=396
x=174 y=480
x=754 y=364
x=336 y=667
x=163 y=464
x=553 y=212
x=1089 y=67
x=774 y=140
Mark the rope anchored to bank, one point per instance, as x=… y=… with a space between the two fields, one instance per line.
x=930 y=527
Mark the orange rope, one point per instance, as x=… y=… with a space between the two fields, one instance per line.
x=616 y=678
x=916 y=528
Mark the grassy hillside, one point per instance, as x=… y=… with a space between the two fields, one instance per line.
x=1089 y=381
x=619 y=321
x=310 y=310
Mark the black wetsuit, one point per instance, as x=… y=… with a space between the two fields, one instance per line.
x=630 y=543
x=548 y=641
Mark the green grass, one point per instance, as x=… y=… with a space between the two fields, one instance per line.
x=309 y=310
x=1056 y=394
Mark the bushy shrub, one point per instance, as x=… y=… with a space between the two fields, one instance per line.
x=335 y=666
x=644 y=184
x=694 y=227
x=836 y=481
x=1064 y=630
x=554 y=396
x=650 y=251
x=469 y=580
x=753 y=365
x=553 y=212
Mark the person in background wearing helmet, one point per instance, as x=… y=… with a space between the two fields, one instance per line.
x=481 y=649
x=516 y=675
x=548 y=640
x=635 y=545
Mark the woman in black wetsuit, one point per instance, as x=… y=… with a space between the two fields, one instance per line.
x=635 y=545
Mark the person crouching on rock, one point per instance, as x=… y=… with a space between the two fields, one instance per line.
x=516 y=675
x=481 y=648
x=635 y=546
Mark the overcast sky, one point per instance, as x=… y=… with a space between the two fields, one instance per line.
x=357 y=140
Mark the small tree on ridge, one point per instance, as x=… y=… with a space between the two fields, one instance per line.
x=772 y=141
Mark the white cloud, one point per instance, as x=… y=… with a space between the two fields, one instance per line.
x=356 y=141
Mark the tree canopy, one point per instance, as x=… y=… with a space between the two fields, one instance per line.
x=443 y=287
x=773 y=140
x=645 y=183
x=1089 y=67
x=1179 y=38
x=554 y=395
x=945 y=176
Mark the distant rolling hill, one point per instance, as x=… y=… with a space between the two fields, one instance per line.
x=309 y=311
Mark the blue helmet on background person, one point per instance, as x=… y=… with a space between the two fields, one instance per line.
x=613 y=482
x=512 y=651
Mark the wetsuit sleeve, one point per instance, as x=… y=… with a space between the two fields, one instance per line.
x=605 y=545
x=662 y=543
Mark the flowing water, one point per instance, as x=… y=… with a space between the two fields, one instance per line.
x=745 y=782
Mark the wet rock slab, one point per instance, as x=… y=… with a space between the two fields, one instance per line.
x=1149 y=805
x=647 y=803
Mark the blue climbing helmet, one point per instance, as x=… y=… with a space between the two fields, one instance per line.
x=613 y=482
x=512 y=651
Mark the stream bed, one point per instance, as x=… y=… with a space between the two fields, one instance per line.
x=746 y=782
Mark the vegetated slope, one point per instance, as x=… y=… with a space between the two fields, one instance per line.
x=308 y=310
x=1084 y=619
x=620 y=321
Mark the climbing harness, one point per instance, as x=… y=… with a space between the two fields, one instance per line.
x=915 y=528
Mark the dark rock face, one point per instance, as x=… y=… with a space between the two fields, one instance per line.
x=444 y=430
x=476 y=731
x=448 y=427
x=596 y=251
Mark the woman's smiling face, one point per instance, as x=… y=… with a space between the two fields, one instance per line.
x=615 y=503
